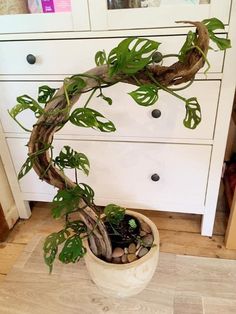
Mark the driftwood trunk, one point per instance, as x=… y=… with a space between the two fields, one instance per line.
x=43 y=131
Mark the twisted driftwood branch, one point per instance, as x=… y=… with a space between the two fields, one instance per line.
x=49 y=123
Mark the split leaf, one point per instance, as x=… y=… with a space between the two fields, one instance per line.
x=131 y=55
x=51 y=244
x=100 y=58
x=145 y=95
x=70 y=159
x=72 y=251
x=193 y=113
x=89 y=118
x=45 y=94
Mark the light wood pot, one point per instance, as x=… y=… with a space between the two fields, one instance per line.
x=124 y=280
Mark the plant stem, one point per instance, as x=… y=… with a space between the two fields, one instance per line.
x=90 y=97
x=66 y=94
x=136 y=80
x=204 y=57
x=182 y=88
x=170 y=55
x=166 y=89
x=76 y=176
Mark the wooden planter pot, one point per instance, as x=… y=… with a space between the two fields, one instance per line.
x=124 y=280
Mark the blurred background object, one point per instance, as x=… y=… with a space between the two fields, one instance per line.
x=13 y=7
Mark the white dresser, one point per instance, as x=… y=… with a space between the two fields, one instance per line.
x=187 y=163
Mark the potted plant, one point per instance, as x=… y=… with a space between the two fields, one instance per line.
x=120 y=246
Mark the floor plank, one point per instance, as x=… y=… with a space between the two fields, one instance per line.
x=40 y=222
x=219 y=305
x=2 y=277
x=9 y=252
x=181 y=284
x=186 y=243
x=179 y=233
x=185 y=303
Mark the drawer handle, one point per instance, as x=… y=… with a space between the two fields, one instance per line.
x=31 y=59
x=155 y=177
x=156 y=113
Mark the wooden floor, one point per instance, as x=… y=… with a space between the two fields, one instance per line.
x=180 y=285
x=179 y=234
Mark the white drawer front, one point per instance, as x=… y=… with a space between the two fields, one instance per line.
x=121 y=173
x=76 y=56
x=130 y=119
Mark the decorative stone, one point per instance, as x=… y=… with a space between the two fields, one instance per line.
x=147 y=240
x=145 y=227
x=136 y=253
x=143 y=251
x=132 y=248
x=116 y=260
x=124 y=259
x=143 y=233
x=131 y=257
x=138 y=245
x=117 y=252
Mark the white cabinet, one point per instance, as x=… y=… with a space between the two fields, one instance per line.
x=76 y=20
x=163 y=15
x=188 y=162
x=115 y=177
x=72 y=55
x=131 y=121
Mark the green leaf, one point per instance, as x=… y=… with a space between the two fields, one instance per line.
x=28 y=164
x=77 y=226
x=89 y=118
x=189 y=43
x=45 y=94
x=131 y=55
x=66 y=201
x=74 y=85
x=100 y=58
x=25 y=102
x=222 y=43
x=145 y=95
x=26 y=167
x=70 y=159
x=132 y=223
x=51 y=244
x=213 y=24
x=86 y=191
x=72 y=250
x=193 y=113
x=114 y=213
x=107 y=99
x=28 y=102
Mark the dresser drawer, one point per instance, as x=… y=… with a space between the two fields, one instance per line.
x=76 y=55
x=131 y=120
x=121 y=173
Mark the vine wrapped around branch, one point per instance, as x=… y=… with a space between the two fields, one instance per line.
x=134 y=61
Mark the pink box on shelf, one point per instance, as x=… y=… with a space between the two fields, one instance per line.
x=62 y=5
x=48 y=6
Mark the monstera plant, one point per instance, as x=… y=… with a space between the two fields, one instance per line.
x=134 y=61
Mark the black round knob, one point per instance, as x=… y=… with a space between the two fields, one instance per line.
x=156 y=113
x=157 y=57
x=31 y=59
x=155 y=177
